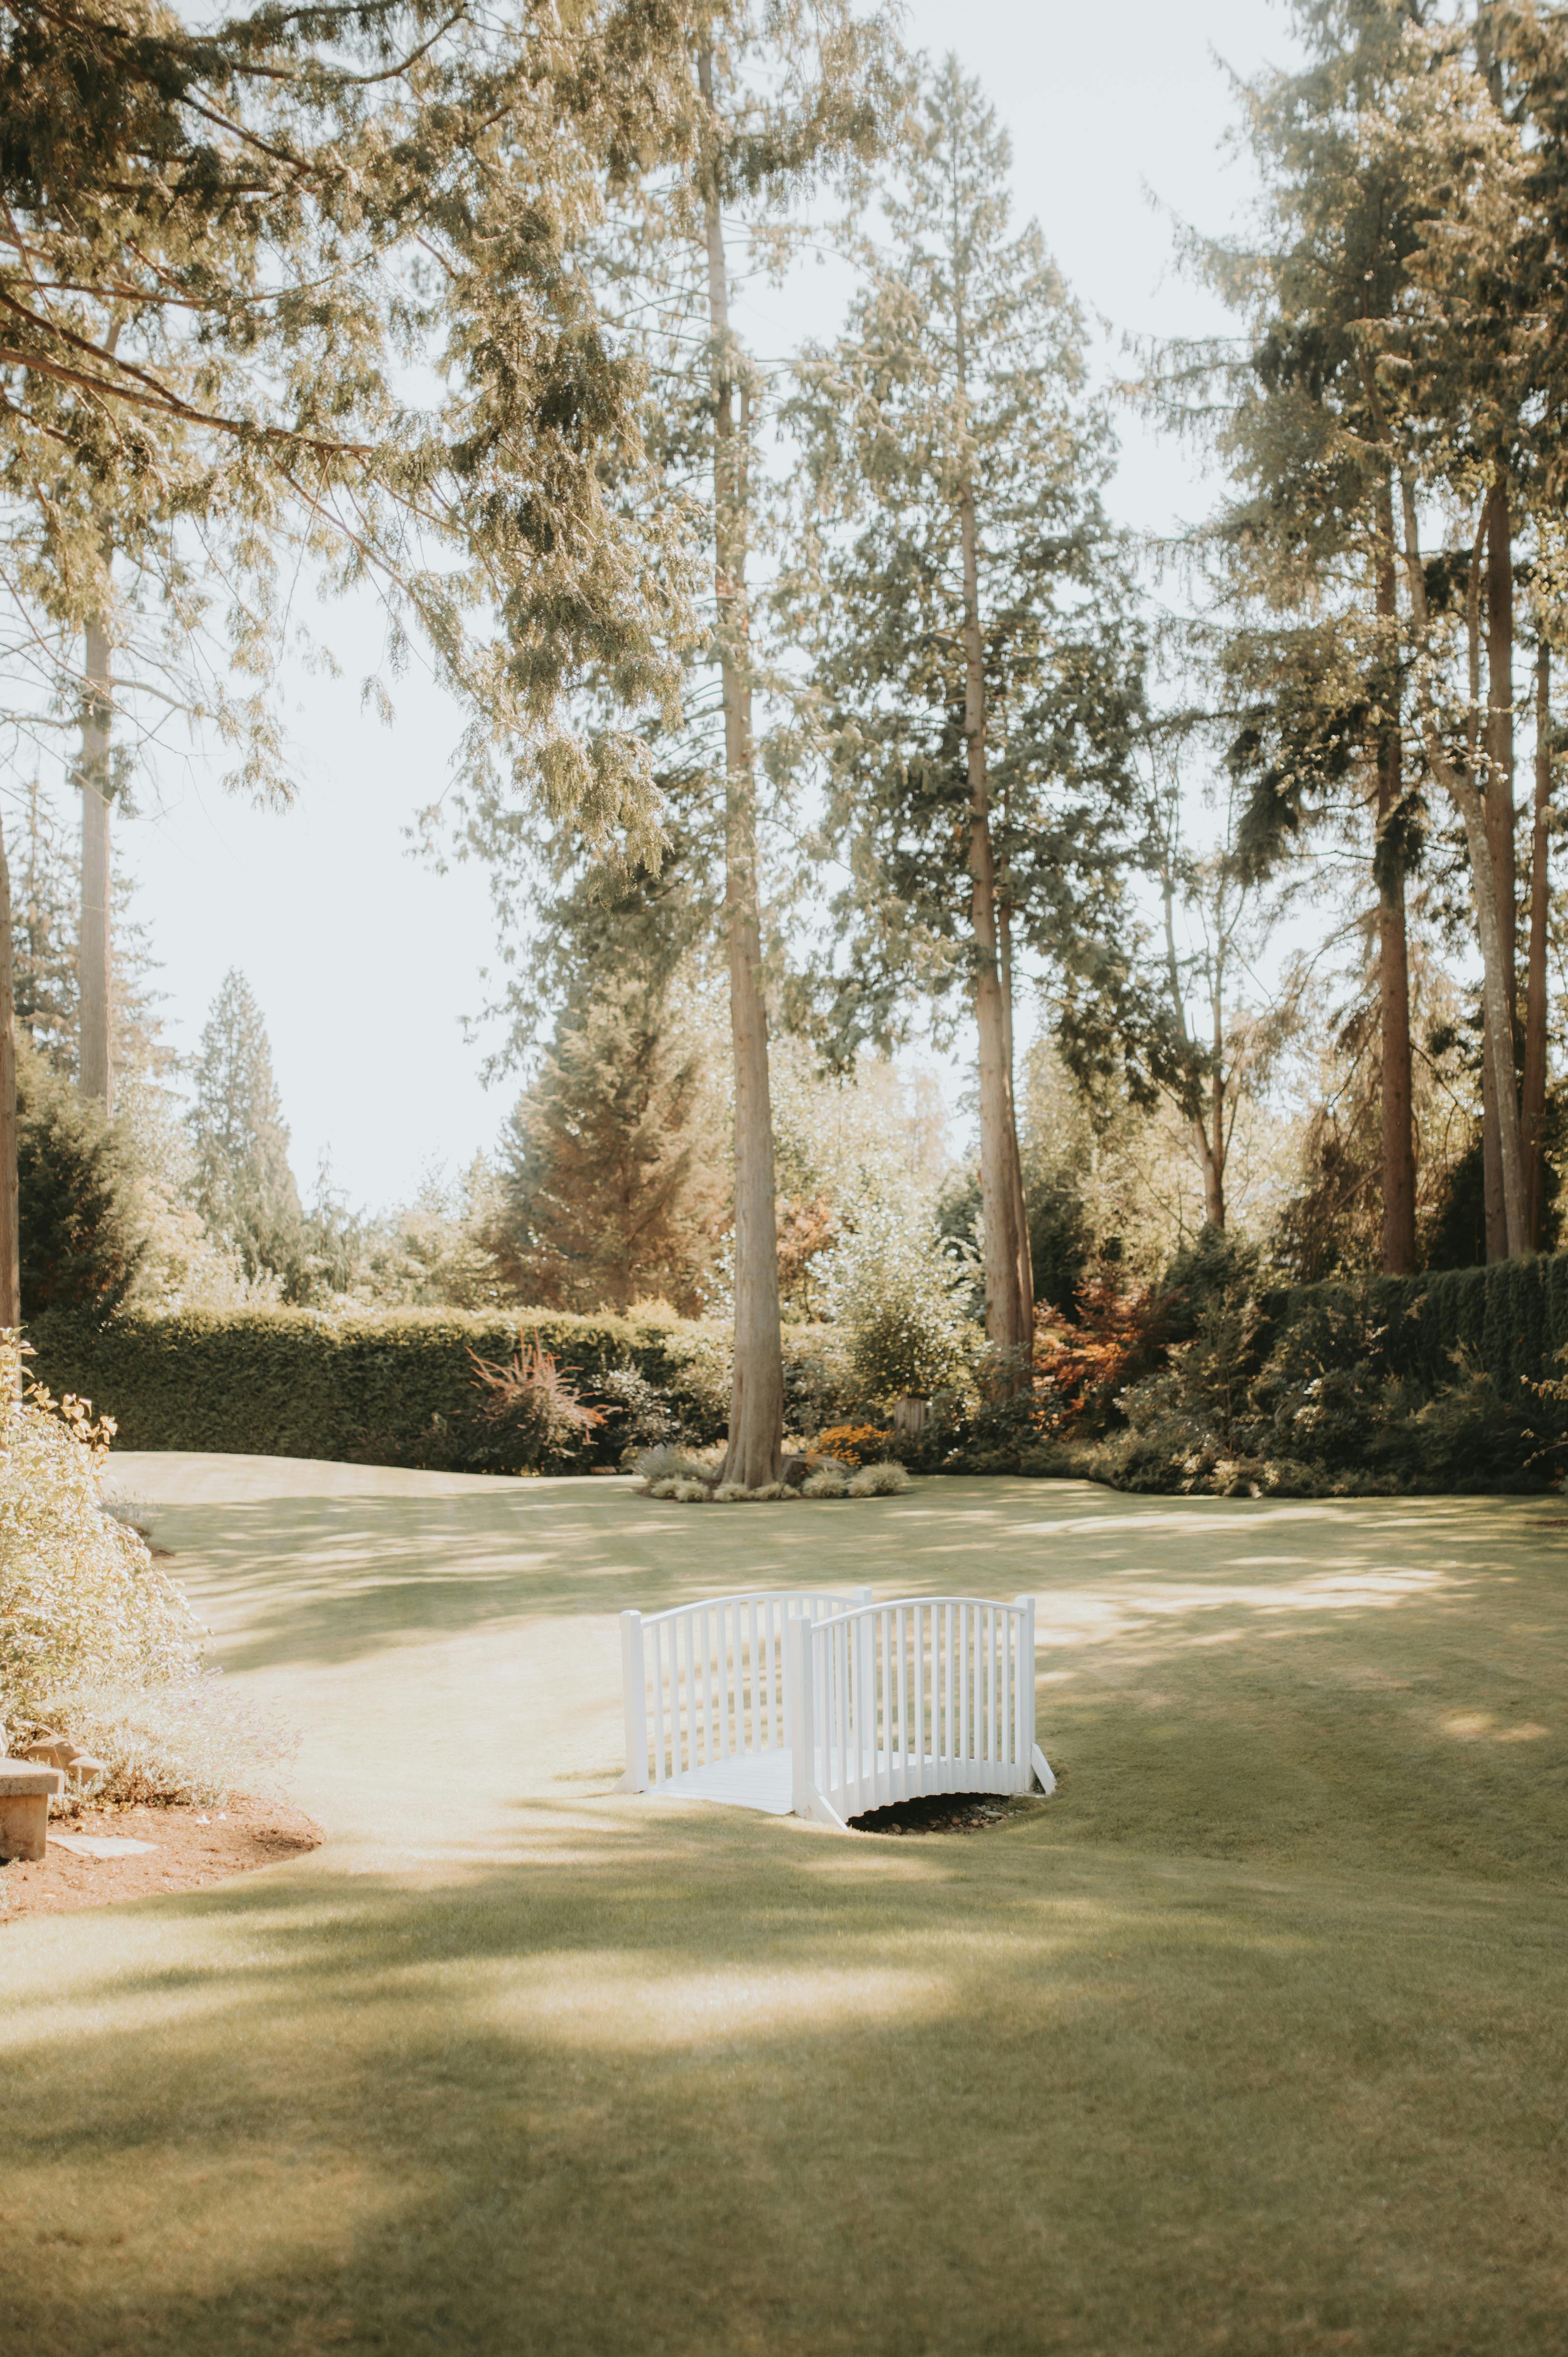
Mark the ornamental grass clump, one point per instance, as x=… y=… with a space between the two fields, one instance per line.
x=535 y=1404
x=672 y=1473
x=885 y=1480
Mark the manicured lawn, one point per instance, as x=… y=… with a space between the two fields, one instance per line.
x=1253 y=2040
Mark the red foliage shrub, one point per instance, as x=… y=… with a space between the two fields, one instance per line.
x=1115 y=1339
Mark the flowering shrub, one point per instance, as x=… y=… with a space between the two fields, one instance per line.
x=96 y=1642
x=81 y=1597
x=851 y=1444
x=189 y=1739
x=898 y=1292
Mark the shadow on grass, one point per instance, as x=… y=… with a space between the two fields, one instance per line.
x=693 y=2084
x=327 y=1580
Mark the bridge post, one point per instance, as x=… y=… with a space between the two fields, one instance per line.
x=634 y=1693
x=802 y=1740
x=1029 y=1752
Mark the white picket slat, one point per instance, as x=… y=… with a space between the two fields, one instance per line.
x=915 y=1697
x=707 y=1683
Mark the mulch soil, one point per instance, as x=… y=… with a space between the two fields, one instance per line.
x=190 y=1848
x=943 y=1813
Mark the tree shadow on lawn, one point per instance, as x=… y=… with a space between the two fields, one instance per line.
x=698 y=2083
x=325 y=1580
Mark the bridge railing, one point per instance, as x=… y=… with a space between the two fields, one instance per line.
x=707 y=1682
x=925 y=1694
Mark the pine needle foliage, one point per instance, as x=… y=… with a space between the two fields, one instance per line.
x=609 y=1189
x=244 y=1188
x=963 y=365
x=82 y=1237
x=974 y=677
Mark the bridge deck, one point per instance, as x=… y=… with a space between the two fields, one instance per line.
x=758 y=1779
x=762 y=1780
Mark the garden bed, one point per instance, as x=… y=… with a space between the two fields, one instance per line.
x=189 y=1847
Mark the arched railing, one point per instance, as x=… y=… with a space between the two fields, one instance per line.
x=707 y=1694
x=927 y=1694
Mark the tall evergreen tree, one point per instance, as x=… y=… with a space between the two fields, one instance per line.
x=960 y=597
x=1391 y=441
x=81 y=1241
x=217 y=252
x=781 y=94
x=46 y=890
x=244 y=1188
x=1314 y=665
x=612 y=1190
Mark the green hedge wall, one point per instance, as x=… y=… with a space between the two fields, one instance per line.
x=395 y=1389
x=398 y=1389
x=1510 y=1318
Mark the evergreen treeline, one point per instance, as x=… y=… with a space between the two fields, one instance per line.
x=812 y=708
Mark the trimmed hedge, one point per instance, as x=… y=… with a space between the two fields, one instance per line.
x=1510 y=1318
x=397 y=1389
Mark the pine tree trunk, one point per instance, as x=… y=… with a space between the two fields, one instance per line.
x=1496 y=965
x=10 y=1232
x=756 y=1395
x=94 y=1075
x=1009 y=1321
x=1211 y=1151
x=1020 y=1203
x=1394 y=946
x=1533 y=1108
x=1213 y=1169
x=1499 y=836
x=1498 y=1020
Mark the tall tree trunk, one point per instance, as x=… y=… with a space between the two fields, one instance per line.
x=1009 y=1317
x=1460 y=786
x=95 y=1077
x=1211 y=1151
x=1394 y=946
x=1213 y=1171
x=1533 y=1107
x=1499 y=833
x=10 y=1231
x=757 y=1392
x=1211 y=1158
x=1498 y=1023
x=1020 y=1202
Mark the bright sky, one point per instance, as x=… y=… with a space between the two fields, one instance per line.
x=365 y=961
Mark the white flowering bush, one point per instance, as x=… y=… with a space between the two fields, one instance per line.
x=898 y=1292
x=96 y=1642
x=80 y=1596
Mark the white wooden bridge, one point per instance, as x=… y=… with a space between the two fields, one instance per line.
x=831 y=1706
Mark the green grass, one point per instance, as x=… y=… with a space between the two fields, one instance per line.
x=1251 y=2040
